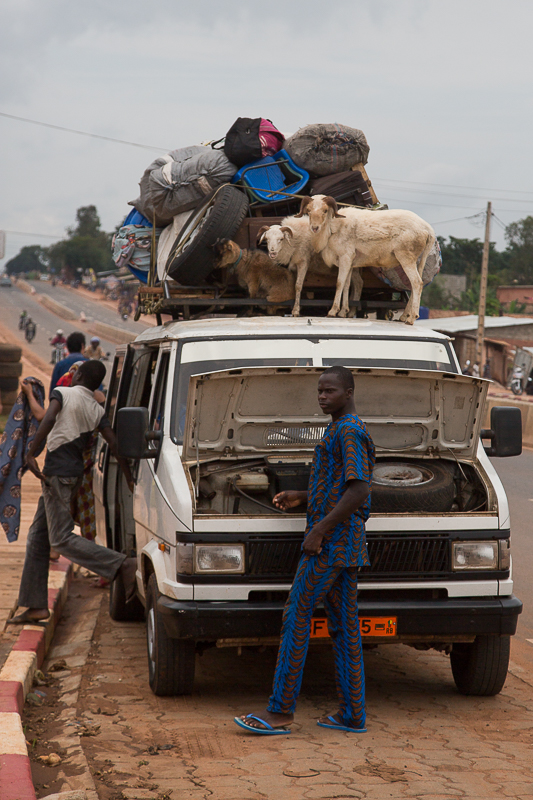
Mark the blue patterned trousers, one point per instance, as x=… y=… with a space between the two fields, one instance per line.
x=336 y=587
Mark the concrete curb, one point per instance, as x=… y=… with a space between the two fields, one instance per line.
x=16 y=678
x=112 y=333
x=57 y=308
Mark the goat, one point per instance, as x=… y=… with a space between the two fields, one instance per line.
x=291 y=244
x=255 y=272
x=359 y=238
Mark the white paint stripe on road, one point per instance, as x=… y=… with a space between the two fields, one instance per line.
x=530 y=641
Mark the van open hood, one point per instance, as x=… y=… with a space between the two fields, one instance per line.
x=260 y=410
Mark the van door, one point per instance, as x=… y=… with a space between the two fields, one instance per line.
x=104 y=471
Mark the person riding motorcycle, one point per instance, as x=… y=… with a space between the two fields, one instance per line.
x=30 y=329
x=94 y=351
x=58 y=338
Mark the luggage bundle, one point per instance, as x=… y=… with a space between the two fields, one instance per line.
x=231 y=187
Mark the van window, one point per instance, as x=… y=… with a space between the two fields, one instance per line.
x=157 y=410
x=112 y=392
x=143 y=370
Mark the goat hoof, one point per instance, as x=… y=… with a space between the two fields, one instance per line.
x=332 y=312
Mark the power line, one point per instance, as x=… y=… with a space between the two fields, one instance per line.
x=463 y=196
x=27 y=233
x=455 y=186
x=84 y=133
x=457 y=219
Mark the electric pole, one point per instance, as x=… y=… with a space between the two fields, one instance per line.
x=483 y=291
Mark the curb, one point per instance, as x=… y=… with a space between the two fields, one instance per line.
x=16 y=678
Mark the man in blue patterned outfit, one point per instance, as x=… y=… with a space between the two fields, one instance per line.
x=334 y=547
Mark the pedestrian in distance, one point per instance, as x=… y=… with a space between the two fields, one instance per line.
x=72 y=416
x=334 y=547
x=75 y=347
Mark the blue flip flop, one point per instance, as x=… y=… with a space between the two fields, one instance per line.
x=338 y=727
x=267 y=731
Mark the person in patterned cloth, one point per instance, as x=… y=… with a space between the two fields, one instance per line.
x=334 y=547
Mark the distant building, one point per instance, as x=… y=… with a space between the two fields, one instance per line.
x=523 y=295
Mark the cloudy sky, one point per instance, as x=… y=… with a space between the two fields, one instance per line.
x=441 y=88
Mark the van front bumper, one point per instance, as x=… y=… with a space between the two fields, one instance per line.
x=434 y=619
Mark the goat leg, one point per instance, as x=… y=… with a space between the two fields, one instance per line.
x=345 y=267
x=301 y=272
x=413 y=306
x=356 y=282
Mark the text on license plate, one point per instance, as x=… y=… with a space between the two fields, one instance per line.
x=369 y=626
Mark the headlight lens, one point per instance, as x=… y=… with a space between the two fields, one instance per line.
x=505 y=554
x=218 y=558
x=475 y=555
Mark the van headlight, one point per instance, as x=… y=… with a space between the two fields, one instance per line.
x=218 y=558
x=474 y=555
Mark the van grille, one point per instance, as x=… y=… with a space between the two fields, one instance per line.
x=415 y=556
x=276 y=437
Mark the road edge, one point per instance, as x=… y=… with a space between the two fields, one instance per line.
x=16 y=678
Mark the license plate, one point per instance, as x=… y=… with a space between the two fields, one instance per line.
x=369 y=626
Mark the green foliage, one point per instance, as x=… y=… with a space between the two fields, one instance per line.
x=515 y=307
x=30 y=259
x=87 y=247
x=470 y=299
x=519 y=236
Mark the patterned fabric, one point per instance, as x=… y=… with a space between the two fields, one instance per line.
x=18 y=434
x=346 y=452
x=317 y=581
x=83 y=502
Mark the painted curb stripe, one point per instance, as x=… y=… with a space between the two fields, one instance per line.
x=16 y=679
x=15 y=778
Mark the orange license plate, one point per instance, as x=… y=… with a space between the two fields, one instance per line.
x=369 y=626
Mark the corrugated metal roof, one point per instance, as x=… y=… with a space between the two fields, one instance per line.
x=469 y=323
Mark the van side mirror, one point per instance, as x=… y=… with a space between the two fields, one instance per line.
x=133 y=434
x=505 y=432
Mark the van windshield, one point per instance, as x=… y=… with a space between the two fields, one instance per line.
x=198 y=358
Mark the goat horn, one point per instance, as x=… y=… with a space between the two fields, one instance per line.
x=303 y=206
x=332 y=203
x=286 y=229
x=261 y=233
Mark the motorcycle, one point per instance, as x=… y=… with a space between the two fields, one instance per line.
x=22 y=322
x=30 y=330
x=516 y=383
x=58 y=353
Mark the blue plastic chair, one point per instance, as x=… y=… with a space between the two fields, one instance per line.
x=268 y=179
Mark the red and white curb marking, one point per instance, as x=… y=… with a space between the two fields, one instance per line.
x=16 y=679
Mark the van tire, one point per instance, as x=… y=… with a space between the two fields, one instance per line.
x=171 y=662
x=119 y=609
x=435 y=493
x=228 y=209
x=480 y=667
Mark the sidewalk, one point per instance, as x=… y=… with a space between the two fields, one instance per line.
x=22 y=650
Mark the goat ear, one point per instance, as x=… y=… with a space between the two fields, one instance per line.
x=261 y=233
x=303 y=206
x=332 y=203
x=287 y=230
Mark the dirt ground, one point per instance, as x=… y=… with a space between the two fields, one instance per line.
x=118 y=740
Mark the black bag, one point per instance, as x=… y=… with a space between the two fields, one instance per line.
x=242 y=143
x=345 y=187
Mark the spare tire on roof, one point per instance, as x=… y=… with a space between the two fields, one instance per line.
x=407 y=486
x=325 y=149
x=10 y=352
x=397 y=278
x=192 y=257
x=10 y=369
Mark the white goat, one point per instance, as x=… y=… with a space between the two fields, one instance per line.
x=359 y=238
x=291 y=244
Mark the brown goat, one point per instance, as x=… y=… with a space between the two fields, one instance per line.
x=256 y=273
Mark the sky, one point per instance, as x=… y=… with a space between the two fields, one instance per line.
x=441 y=89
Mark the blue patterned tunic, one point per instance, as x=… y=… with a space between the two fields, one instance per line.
x=346 y=452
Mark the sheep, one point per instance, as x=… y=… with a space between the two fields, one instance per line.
x=290 y=244
x=359 y=238
x=255 y=272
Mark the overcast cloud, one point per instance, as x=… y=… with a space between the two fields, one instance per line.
x=441 y=88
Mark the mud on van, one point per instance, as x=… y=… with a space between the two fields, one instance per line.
x=219 y=415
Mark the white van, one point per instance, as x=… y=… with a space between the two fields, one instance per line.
x=219 y=415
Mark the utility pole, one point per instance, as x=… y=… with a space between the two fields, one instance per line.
x=483 y=291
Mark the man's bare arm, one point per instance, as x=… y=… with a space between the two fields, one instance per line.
x=111 y=439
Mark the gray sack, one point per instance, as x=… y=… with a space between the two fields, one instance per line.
x=327 y=149
x=180 y=180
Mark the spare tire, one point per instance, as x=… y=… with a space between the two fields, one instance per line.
x=192 y=257
x=407 y=486
x=10 y=352
x=8 y=400
x=10 y=369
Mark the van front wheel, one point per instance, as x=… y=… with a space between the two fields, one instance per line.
x=480 y=667
x=171 y=662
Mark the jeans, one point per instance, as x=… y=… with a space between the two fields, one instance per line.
x=53 y=526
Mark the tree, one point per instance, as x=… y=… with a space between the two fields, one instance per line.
x=87 y=247
x=30 y=259
x=463 y=257
x=519 y=236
